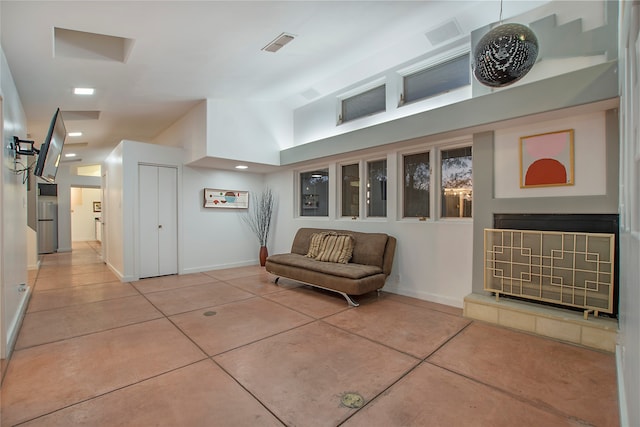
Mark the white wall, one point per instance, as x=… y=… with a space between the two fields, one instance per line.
x=590 y=157
x=13 y=216
x=32 y=249
x=83 y=223
x=248 y=130
x=208 y=238
x=628 y=351
x=189 y=132
x=317 y=120
x=215 y=238
x=113 y=213
x=121 y=207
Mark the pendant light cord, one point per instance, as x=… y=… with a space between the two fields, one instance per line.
x=500 y=12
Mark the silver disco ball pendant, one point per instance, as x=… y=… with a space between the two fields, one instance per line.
x=504 y=55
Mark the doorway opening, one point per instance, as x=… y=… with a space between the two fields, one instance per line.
x=86 y=216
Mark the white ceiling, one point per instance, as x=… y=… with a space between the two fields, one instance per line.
x=187 y=51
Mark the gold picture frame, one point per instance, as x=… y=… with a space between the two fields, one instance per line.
x=547 y=159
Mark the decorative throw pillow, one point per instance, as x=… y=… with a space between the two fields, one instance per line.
x=336 y=248
x=316 y=242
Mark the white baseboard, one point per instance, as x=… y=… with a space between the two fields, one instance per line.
x=219 y=266
x=427 y=296
x=14 y=328
x=121 y=276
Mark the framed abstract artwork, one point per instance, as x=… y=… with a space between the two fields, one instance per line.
x=214 y=198
x=547 y=159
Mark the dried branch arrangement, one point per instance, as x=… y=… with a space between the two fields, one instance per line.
x=258 y=217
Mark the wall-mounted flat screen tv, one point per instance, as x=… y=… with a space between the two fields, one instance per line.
x=51 y=149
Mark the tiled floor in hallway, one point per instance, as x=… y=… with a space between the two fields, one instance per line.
x=231 y=348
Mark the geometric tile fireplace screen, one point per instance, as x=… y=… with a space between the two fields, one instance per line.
x=573 y=269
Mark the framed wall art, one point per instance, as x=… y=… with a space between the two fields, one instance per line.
x=215 y=198
x=97 y=206
x=547 y=159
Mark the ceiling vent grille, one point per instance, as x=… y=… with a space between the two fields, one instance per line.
x=279 y=42
x=81 y=115
x=445 y=32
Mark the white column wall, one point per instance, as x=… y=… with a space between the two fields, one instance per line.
x=628 y=351
x=13 y=216
x=113 y=214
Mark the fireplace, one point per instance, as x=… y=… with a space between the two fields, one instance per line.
x=565 y=260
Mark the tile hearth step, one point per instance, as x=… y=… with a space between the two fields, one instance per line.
x=597 y=333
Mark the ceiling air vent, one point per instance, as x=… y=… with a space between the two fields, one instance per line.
x=445 y=32
x=80 y=115
x=279 y=42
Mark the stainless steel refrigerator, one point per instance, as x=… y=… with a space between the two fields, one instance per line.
x=47 y=226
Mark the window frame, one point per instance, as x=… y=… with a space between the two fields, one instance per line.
x=431 y=150
x=432 y=62
x=438 y=197
x=340 y=190
x=359 y=90
x=298 y=192
x=383 y=157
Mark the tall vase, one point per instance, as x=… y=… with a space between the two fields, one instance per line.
x=263 y=255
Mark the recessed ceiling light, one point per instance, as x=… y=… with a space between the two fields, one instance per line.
x=74 y=134
x=242 y=167
x=70 y=155
x=83 y=90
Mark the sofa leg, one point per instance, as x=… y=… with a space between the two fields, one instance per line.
x=350 y=300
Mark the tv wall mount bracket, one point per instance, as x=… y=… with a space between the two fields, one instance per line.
x=23 y=146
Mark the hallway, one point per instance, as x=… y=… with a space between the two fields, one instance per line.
x=231 y=348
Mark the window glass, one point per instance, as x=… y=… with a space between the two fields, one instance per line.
x=417 y=175
x=364 y=104
x=351 y=190
x=457 y=182
x=314 y=193
x=438 y=79
x=377 y=188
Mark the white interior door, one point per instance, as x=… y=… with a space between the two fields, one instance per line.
x=167 y=220
x=148 y=223
x=158 y=222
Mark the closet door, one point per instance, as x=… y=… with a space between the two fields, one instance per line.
x=158 y=223
x=167 y=221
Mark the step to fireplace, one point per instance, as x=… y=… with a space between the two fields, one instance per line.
x=564 y=325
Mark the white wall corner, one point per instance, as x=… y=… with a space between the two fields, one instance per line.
x=247 y=129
